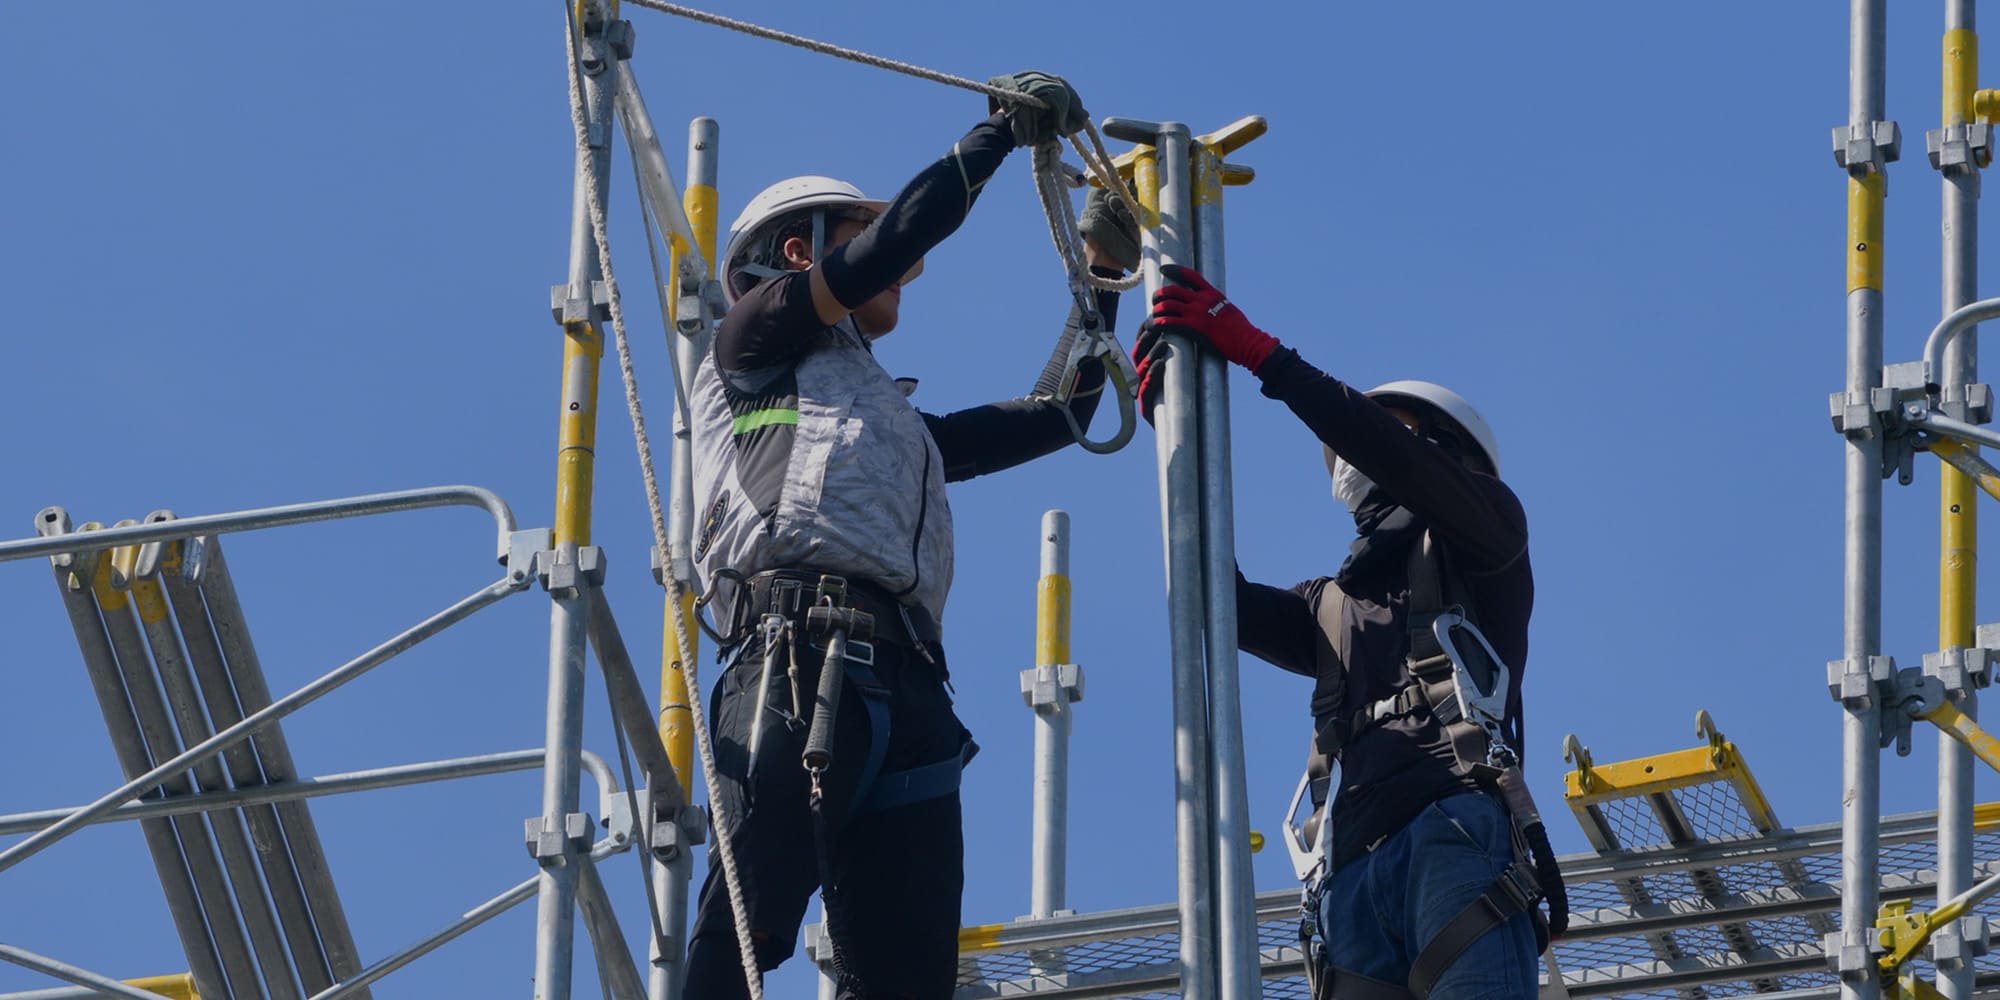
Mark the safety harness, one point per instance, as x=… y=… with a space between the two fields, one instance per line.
x=1456 y=677
x=844 y=623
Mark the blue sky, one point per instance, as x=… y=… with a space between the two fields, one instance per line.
x=304 y=253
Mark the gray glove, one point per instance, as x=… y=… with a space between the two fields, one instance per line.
x=1033 y=126
x=1108 y=223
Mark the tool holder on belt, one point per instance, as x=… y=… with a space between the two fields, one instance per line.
x=847 y=634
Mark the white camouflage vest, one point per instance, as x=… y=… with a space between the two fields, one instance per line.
x=863 y=483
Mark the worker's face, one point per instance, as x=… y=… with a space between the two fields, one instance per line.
x=1409 y=419
x=877 y=316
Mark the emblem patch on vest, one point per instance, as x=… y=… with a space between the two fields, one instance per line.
x=711 y=524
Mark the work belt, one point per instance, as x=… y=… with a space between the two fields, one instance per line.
x=791 y=593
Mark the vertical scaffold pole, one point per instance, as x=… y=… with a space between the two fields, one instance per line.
x=1176 y=425
x=1239 y=975
x=1864 y=148
x=676 y=731
x=1050 y=688
x=1956 y=152
x=564 y=832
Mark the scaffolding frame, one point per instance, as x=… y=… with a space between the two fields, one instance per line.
x=232 y=957
x=185 y=557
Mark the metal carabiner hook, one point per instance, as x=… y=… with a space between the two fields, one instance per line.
x=1119 y=375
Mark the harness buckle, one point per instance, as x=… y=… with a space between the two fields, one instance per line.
x=1518 y=884
x=861 y=651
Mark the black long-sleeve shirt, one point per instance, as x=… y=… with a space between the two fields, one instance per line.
x=776 y=323
x=1391 y=772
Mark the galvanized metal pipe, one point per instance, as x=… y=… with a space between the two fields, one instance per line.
x=1956 y=324
x=238 y=858
x=274 y=856
x=1862 y=599
x=1049 y=853
x=671 y=879
x=179 y=987
x=277 y=710
x=269 y=517
x=583 y=351
x=1177 y=437
x=1239 y=975
x=654 y=173
x=183 y=906
x=274 y=753
x=136 y=668
x=628 y=702
x=103 y=985
x=312 y=788
x=473 y=918
x=615 y=970
x=1958 y=509
x=555 y=913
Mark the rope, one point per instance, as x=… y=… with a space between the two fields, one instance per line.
x=1097 y=161
x=600 y=233
x=838 y=52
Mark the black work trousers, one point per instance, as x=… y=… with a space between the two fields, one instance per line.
x=897 y=874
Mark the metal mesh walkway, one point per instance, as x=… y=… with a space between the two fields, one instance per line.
x=1695 y=891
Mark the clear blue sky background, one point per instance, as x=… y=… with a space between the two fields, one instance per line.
x=296 y=251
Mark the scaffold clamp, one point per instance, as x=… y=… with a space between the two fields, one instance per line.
x=566 y=572
x=1857 y=682
x=549 y=841
x=1867 y=148
x=1853 y=954
x=1961 y=148
x=1960 y=670
x=1046 y=688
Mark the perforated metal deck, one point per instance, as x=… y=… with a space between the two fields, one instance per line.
x=1695 y=892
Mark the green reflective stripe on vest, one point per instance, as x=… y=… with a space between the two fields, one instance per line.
x=763 y=418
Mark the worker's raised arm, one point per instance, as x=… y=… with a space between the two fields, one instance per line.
x=1001 y=435
x=934 y=203
x=1475 y=512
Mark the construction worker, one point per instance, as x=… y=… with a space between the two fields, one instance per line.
x=1423 y=890
x=820 y=491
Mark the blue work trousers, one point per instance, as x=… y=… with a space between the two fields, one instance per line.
x=1381 y=909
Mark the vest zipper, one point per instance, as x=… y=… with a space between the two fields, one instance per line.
x=917 y=538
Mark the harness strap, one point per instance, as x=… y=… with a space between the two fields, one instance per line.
x=917 y=784
x=1344 y=984
x=874 y=698
x=1513 y=893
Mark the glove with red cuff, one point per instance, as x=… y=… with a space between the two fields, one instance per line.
x=1193 y=305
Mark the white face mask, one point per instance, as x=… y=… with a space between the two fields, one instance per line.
x=1350 y=487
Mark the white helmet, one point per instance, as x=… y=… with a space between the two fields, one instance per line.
x=749 y=235
x=1450 y=404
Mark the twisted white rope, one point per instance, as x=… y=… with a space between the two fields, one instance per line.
x=599 y=231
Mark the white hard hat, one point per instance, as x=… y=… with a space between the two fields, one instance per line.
x=1450 y=404
x=777 y=203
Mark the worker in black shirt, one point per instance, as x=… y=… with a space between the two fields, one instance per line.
x=810 y=463
x=1416 y=840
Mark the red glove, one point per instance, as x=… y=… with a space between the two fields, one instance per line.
x=1195 y=306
